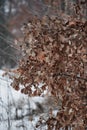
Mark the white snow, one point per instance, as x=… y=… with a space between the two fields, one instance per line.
x=13 y=105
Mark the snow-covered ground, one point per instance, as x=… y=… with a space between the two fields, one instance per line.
x=16 y=108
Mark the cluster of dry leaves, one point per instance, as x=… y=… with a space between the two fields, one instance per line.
x=55 y=53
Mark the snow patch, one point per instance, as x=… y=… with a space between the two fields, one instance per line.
x=13 y=105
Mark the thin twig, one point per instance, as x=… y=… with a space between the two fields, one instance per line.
x=68 y=75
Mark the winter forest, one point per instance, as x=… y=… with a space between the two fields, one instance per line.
x=43 y=64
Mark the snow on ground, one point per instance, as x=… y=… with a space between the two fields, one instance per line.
x=13 y=105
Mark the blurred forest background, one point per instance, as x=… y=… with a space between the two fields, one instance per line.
x=14 y=13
